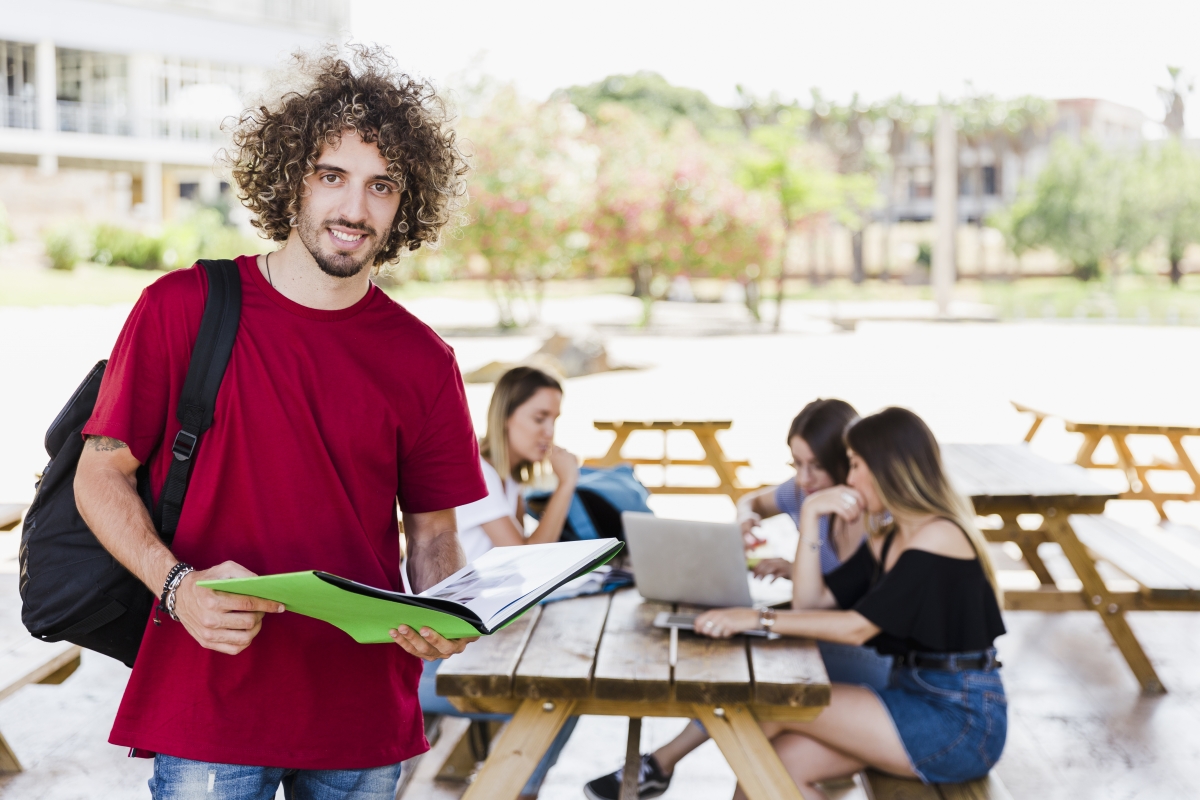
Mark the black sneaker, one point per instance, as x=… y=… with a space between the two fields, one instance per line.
x=651 y=782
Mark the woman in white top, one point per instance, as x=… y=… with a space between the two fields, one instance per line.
x=520 y=434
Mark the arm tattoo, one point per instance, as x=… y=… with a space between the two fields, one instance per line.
x=105 y=444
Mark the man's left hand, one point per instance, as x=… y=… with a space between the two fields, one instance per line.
x=428 y=643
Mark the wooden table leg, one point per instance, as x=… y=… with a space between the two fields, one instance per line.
x=613 y=456
x=1037 y=423
x=715 y=456
x=1086 y=450
x=1106 y=606
x=633 y=760
x=8 y=759
x=518 y=749
x=759 y=771
x=1029 y=548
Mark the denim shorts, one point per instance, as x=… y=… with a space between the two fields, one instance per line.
x=952 y=724
x=184 y=779
x=845 y=663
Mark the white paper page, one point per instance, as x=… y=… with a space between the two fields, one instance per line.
x=504 y=575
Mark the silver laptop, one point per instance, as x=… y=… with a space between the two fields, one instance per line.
x=701 y=563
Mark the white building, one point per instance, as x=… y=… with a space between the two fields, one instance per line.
x=113 y=108
x=990 y=174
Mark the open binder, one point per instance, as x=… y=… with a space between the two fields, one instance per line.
x=480 y=598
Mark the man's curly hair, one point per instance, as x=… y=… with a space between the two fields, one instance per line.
x=276 y=143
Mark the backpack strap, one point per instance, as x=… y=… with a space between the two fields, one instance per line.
x=210 y=356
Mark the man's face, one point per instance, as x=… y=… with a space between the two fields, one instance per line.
x=348 y=207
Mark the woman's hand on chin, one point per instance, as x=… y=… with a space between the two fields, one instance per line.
x=721 y=623
x=843 y=501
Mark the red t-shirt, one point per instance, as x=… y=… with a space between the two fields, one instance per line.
x=324 y=419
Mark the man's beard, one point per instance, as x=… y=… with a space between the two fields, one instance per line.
x=337 y=265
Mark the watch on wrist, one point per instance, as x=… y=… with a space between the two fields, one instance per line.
x=766 y=619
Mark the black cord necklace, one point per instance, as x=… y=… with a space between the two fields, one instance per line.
x=267 y=262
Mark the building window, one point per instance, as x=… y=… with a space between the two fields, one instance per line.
x=189 y=191
x=91 y=93
x=18 y=100
x=193 y=98
x=989 y=181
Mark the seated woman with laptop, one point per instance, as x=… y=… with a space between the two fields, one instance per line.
x=921 y=589
x=520 y=433
x=819 y=457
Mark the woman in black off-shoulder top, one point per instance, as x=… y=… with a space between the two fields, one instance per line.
x=922 y=589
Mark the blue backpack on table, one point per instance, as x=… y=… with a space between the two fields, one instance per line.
x=600 y=497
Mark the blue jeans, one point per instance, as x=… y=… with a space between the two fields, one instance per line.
x=184 y=779
x=433 y=703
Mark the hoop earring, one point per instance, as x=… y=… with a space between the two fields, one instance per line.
x=292 y=221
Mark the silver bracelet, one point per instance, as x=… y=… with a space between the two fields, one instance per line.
x=171 y=589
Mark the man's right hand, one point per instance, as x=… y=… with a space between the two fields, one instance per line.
x=220 y=621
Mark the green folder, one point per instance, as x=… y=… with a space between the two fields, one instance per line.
x=368 y=613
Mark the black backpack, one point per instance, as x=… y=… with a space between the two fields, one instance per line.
x=71 y=588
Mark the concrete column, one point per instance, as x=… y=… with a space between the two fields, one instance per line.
x=140 y=92
x=152 y=191
x=945 y=208
x=46 y=86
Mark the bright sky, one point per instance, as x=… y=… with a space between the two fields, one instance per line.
x=1113 y=49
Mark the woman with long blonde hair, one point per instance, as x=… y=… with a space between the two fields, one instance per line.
x=921 y=589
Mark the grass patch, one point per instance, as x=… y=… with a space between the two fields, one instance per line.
x=87 y=284
x=1137 y=298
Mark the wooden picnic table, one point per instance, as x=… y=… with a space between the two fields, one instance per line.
x=10 y=515
x=1094 y=432
x=25 y=660
x=705 y=432
x=1008 y=480
x=602 y=655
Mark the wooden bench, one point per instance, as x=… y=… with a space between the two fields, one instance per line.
x=1165 y=563
x=705 y=432
x=886 y=787
x=25 y=660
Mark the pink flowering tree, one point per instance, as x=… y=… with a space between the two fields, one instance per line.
x=529 y=193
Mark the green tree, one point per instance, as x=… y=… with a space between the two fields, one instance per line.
x=529 y=191
x=1172 y=173
x=649 y=95
x=1087 y=205
x=799 y=175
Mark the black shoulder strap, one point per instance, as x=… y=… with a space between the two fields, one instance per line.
x=210 y=356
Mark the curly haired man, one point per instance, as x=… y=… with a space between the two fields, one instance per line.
x=336 y=404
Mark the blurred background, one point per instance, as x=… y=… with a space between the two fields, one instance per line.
x=696 y=211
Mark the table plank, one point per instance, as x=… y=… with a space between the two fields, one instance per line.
x=1010 y=477
x=561 y=653
x=631 y=663
x=788 y=672
x=486 y=667
x=711 y=670
x=1047 y=477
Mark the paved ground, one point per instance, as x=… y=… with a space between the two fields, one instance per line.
x=1079 y=728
